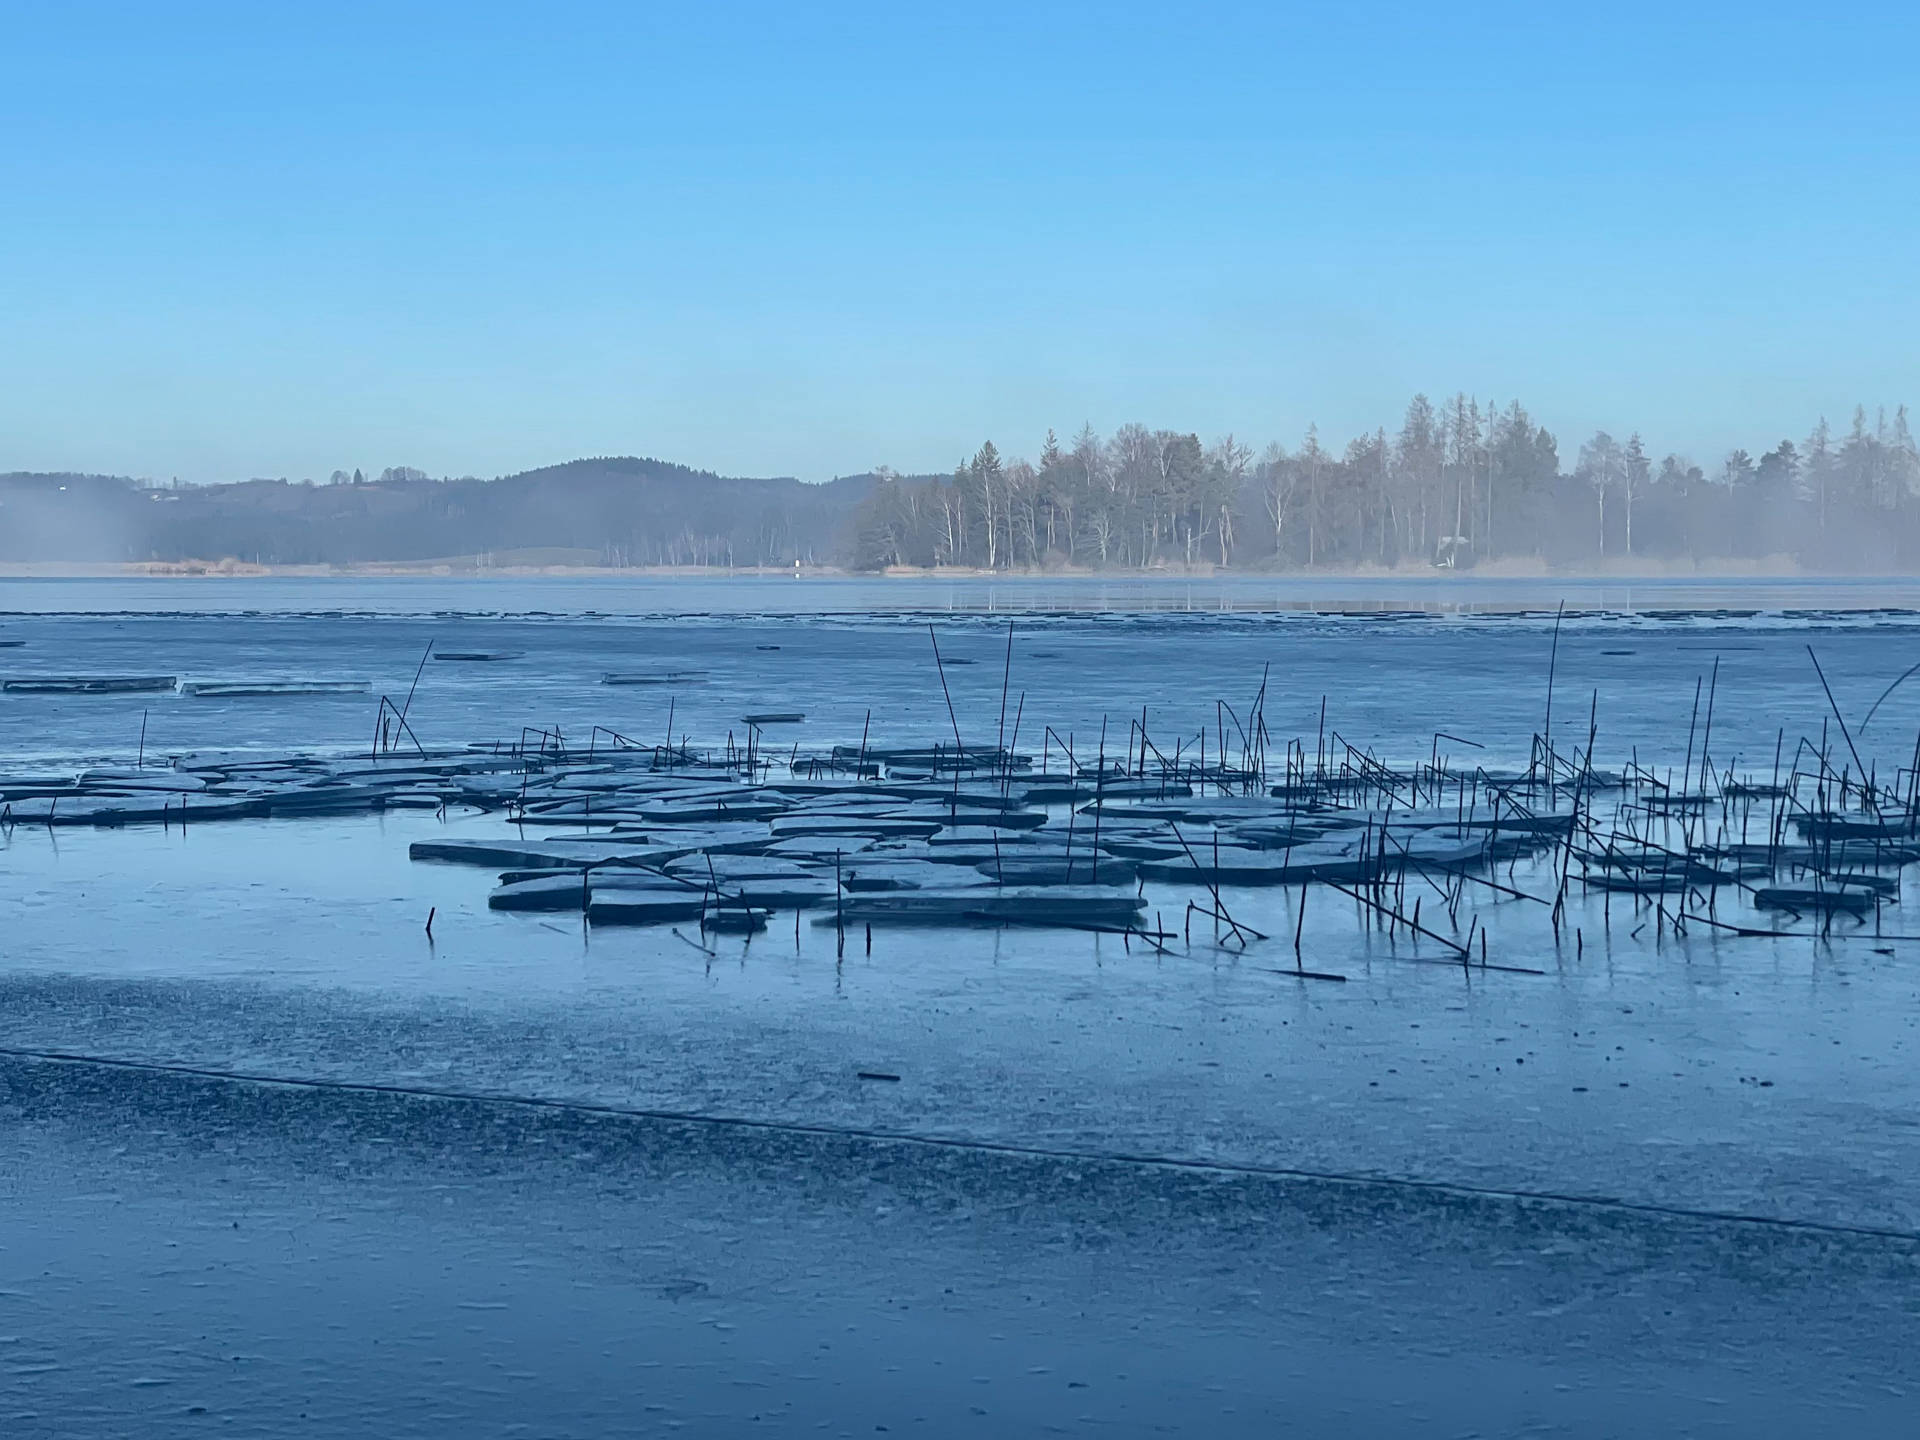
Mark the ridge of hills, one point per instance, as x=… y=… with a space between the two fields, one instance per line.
x=610 y=510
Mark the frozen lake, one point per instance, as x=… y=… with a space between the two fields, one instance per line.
x=536 y=1179
x=1393 y=661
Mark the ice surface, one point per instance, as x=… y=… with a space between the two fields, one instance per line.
x=1659 y=1188
x=1758 y=1076
x=1389 y=682
x=181 y=1255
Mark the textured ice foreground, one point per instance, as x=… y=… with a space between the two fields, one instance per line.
x=184 y=1255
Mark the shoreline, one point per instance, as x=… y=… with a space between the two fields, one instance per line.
x=445 y=570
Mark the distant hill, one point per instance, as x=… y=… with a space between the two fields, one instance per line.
x=615 y=510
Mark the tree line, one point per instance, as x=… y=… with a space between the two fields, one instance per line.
x=1455 y=484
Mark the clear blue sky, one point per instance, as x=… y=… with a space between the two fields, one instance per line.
x=270 y=239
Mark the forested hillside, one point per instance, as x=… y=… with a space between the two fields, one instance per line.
x=616 y=512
